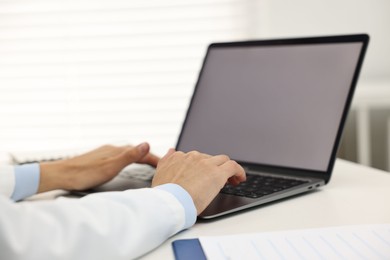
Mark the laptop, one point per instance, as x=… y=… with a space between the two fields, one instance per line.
x=277 y=107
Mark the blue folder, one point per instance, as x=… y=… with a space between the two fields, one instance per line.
x=188 y=249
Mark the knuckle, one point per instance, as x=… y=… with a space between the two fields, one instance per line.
x=225 y=157
x=107 y=146
x=178 y=154
x=193 y=154
x=231 y=164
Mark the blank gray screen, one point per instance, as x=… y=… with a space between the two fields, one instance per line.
x=273 y=105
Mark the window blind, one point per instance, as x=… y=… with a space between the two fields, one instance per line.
x=78 y=73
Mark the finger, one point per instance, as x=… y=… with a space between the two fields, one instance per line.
x=234 y=181
x=169 y=153
x=219 y=159
x=195 y=155
x=150 y=159
x=132 y=154
x=233 y=169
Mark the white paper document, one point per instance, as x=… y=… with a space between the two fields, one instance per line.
x=349 y=242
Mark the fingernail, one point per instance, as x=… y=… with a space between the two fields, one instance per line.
x=143 y=147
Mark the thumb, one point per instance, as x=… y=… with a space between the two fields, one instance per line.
x=134 y=154
x=142 y=149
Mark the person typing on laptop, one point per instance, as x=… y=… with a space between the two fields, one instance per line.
x=108 y=225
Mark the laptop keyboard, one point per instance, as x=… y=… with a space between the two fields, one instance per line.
x=257 y=186
x=142 y=173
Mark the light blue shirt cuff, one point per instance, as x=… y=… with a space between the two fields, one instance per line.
x=26 y=181
x=185 y=199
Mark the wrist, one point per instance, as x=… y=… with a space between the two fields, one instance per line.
x=52 y=177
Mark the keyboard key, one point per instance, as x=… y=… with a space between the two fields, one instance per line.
x=257 y=186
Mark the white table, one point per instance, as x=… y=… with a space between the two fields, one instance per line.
x=356 y=194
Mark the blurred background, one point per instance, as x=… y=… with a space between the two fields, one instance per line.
x=75 y=74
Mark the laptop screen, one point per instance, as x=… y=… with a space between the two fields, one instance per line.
x=274 y=105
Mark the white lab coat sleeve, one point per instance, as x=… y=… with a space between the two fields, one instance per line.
x=110 y=225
